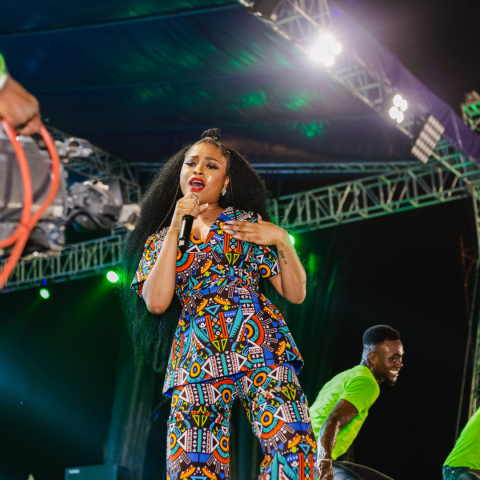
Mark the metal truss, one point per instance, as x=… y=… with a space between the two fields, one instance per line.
x=475 y=387
x=100 y=165
x=75 y=261
x=471 y=111
x=378 y=195
x=300 y=22
x=325 y=207
x=359 y=167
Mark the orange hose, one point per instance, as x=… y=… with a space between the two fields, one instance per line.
x=21 y=234
x=27 y=186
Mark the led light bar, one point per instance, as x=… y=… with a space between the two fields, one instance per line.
x=427 y=140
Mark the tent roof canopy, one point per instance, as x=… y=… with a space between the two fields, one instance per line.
x=140 y=79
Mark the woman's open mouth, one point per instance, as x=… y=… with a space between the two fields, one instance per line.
x=196 y=184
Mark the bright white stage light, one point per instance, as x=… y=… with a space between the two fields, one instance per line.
x=337 y=48
x=329 y=61
x=400 y=105
x=393 y=112
x=324 y=49
x=397 y=100
x=327 y=41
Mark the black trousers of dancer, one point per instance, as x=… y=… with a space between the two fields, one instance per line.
x=352 y=471
x=460 y=473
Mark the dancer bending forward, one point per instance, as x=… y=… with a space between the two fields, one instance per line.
x=231 y=341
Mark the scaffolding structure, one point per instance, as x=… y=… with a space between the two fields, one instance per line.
x=79 y=260
x=360 y=199
x=415 y=187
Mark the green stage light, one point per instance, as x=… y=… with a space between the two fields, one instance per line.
x=112 y=276
x=44 y=293
x=292 y=239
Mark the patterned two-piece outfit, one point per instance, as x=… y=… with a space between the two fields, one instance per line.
x=231 y=341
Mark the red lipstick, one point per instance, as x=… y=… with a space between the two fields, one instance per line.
x=196 y=184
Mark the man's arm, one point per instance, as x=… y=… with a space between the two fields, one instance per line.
x=339 y=417
x=18 y=106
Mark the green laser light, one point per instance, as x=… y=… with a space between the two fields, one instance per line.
x=112 y=277
x=44 y=293
x=292 y=239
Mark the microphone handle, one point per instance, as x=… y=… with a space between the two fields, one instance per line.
x=184 y=234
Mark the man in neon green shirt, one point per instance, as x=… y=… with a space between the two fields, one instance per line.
x=18 y=106
x=343 y=403
x=463 y=463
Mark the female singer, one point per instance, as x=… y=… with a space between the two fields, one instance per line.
x=231 y=341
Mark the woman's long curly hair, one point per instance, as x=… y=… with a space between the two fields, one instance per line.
x=153 y=334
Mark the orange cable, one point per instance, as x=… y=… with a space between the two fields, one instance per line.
x=27 y=186
x=27 y=223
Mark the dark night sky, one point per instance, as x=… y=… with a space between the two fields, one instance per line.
x=436 y=40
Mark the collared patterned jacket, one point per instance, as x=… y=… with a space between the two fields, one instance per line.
x=227 y=326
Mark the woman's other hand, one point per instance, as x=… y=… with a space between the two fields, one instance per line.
x=260 y=232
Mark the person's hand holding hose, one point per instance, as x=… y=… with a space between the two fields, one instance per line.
x=17 y=106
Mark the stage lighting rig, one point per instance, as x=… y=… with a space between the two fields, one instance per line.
x=262 y=8
x=427 y=139
x=324 y=49
x=89 y=205
x=471 y=110
x=397 y=108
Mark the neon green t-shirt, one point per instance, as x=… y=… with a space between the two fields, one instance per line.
x=359 y=387
x=466 y=452
x=3 y=66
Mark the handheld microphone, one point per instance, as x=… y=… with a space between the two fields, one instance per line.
x=186 y=230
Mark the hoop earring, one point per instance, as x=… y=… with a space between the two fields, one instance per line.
x=224 y=191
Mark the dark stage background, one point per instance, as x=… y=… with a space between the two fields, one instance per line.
x=58 y=357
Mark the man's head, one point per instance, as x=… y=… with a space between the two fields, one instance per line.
x=383 y=352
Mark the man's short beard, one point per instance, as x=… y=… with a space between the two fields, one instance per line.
x=390 y=383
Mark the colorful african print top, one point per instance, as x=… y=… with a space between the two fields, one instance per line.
x=227 y=327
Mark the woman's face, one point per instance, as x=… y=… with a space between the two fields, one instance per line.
x=204 y=172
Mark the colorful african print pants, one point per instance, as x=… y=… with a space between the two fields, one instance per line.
x=199 y=426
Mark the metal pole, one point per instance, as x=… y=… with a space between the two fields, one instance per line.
x=475 y=390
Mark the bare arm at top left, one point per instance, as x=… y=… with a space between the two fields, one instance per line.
x=291 y=283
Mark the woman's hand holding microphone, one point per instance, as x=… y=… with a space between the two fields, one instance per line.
x=188 y=205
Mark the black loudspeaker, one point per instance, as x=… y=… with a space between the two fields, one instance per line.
x=94 y=472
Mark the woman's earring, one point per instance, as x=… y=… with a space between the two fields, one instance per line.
x=224 y=191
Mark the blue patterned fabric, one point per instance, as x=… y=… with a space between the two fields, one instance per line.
x=277 y=409
x=226 y=326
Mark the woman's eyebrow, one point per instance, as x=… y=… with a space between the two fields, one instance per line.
x=206 y=158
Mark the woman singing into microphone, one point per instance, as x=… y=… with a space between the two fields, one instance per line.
x=230 y=340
